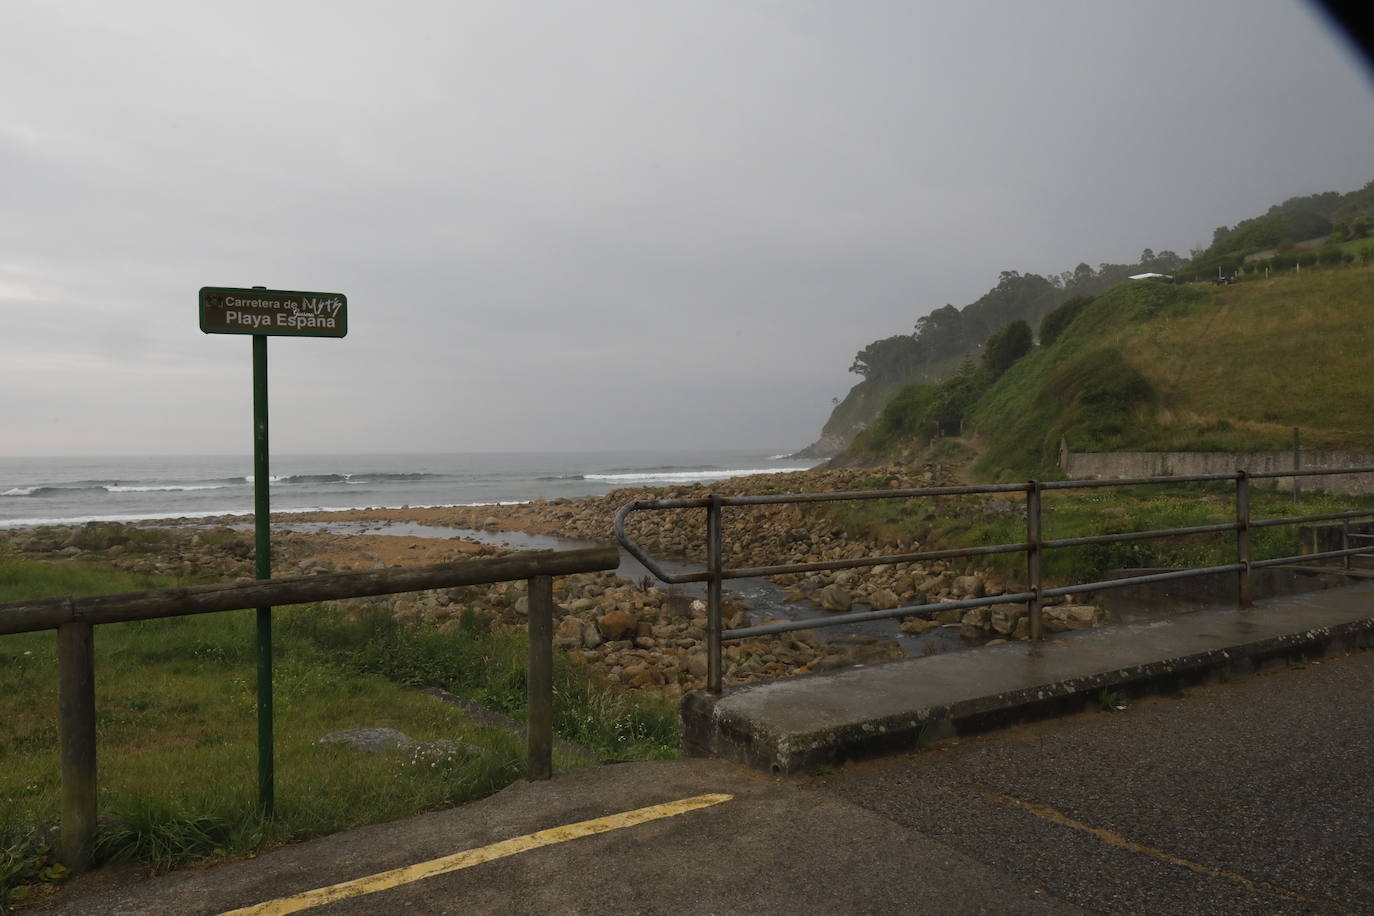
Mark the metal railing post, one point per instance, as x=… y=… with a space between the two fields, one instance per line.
x=1033 y=604
x=1034 y=546
x=76 y=728
x=1297 y=463
x=539 y=679
x=1345 y=542
x=714 y=678
x=1244 y=595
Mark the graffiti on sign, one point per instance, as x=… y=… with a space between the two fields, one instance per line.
x=277 y=312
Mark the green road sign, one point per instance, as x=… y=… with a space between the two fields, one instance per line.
x=262 y=313
x=276 y=312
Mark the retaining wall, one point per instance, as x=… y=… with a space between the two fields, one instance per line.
x=1104 y=465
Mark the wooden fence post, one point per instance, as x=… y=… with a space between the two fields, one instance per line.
x=76 y=727
x=539 y=679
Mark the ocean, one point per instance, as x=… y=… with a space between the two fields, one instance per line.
x=75 y=490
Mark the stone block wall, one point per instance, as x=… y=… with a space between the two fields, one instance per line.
x=1104 y=465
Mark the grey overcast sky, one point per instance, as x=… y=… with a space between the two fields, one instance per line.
x=601 y=224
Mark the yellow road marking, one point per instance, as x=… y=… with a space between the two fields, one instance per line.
x=1112 y=838
x=381 y=881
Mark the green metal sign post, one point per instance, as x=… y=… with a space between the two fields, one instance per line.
x=267 y=313
x=262 y=569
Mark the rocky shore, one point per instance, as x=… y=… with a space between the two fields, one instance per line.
x=636 y=634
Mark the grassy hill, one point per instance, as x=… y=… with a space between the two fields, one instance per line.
x=866 y=400
x=1275 y=243
x=1161 y=367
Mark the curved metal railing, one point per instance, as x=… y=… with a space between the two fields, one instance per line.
x=1033 y=547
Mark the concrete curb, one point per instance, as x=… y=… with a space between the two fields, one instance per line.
x=797 y=723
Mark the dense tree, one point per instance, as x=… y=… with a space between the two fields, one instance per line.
x=1357 y=207
x=1005 y=347
x=1324 y=204
x=944 y=330
x=1079 y=279
x=1166 y=262
x=1016 y=295
x=955 y=396
x=1052 y=325
x=888 y=359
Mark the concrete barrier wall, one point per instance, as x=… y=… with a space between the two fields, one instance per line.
x=1104 y=465
x=1153 y=600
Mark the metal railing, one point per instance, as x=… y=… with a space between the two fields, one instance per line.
x=75 y=618
x=1034 y=546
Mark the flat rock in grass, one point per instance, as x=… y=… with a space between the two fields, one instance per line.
x=369 y=740
x=372 y=740
x=442 y=748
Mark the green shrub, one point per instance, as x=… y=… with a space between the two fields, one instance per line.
x=489 y=668
x=1090 y=399
x=919 y=412
x=954 y=398
x=907 y=416
x=26 y=861
x=1053 y=325
x=1006 y=347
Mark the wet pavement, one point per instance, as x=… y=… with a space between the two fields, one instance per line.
x=1246 y=797
x=1242 y=797
x=795 y=723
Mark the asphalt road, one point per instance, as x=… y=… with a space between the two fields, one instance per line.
x=1246 y=797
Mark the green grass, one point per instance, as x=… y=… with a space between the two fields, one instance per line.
x=176 y=724
x=22 y=580
x=1161 y=367
x=963 y=522
x=1265 y=357
x=1151 y=366
x=489 y=668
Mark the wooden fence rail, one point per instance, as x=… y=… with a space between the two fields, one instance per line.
x=74 y=619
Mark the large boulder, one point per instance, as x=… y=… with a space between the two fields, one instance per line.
x=883 y=599
x=696 y=664
x=1073 y=617
x=1005 y=617
x=834 y=598
x=969 y=587
x=976 y=623
x=569 y=634
x=844 y=651
x=618 y=625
